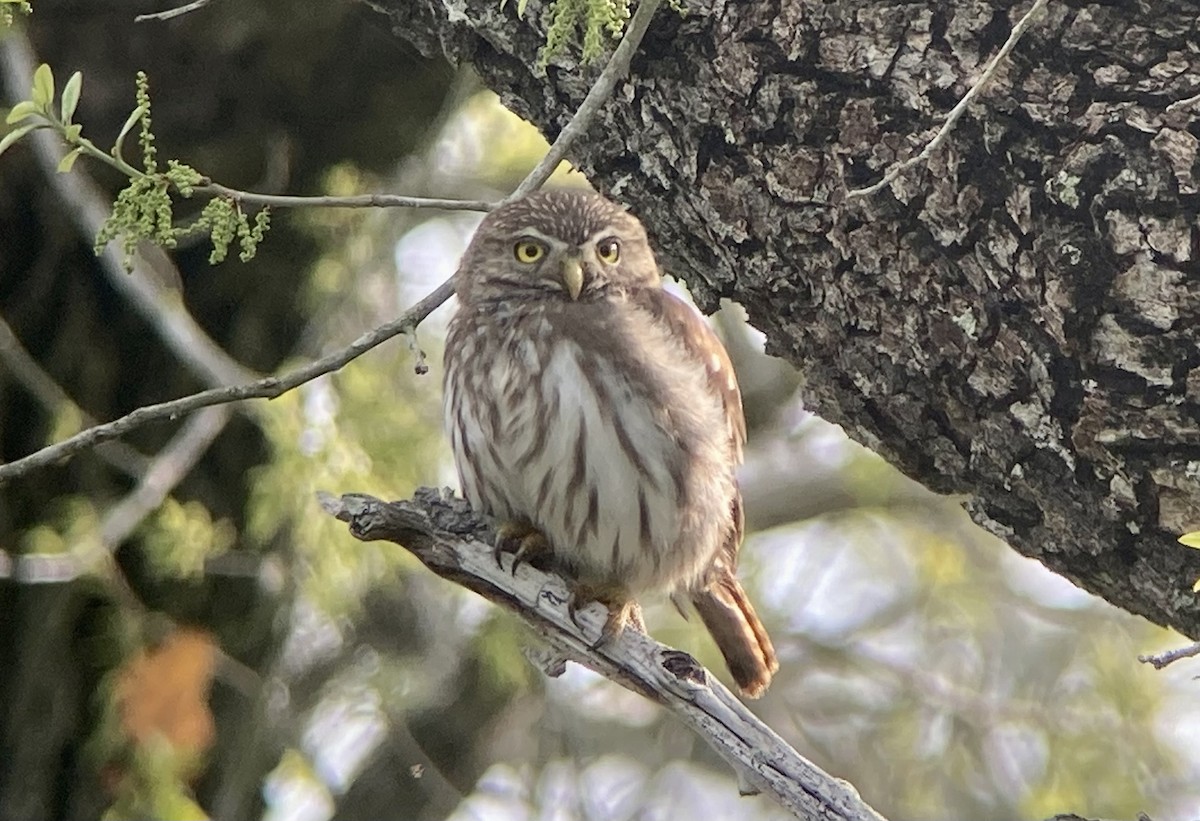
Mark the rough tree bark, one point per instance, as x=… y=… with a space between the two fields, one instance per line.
x=1016 y=321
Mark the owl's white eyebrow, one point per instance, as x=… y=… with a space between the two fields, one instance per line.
x=603 y=233
x=530 y=231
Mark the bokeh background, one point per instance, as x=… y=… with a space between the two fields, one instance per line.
x=182 y=631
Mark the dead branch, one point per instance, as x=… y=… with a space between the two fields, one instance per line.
x=1161 y=660
x=449 y=539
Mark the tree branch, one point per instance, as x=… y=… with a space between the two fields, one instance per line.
x=360 y=201
x=271 y=387
x=959 y=109
x=169 y=14
x=1161 y=660
x=597 y=96
x=144 y=287
x=454 y=543
x=267 y=388
x=167 y=469
x=26 y=370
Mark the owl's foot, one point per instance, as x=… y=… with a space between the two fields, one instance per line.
x=622 y=611
x=520 y=538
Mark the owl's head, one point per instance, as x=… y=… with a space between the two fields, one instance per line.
x=557 y=244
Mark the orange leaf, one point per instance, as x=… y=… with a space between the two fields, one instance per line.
x=164 y=691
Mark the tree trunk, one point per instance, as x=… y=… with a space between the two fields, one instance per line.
x=1015 y=320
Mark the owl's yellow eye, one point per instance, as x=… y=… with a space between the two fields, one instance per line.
x=527 y=251
x=609 y=250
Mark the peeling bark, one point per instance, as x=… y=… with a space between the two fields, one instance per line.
x=1016 y=321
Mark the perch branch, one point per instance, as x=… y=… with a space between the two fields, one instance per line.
x=956 y=113
x=450 y=540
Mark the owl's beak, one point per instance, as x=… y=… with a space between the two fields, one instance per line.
x=572 y=276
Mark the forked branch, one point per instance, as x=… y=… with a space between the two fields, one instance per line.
x=454 y=543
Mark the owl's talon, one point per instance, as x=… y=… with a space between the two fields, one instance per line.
x=622 y=612
x=625 y=615
x=521 y=539
x=532 y=547
x=573 y=609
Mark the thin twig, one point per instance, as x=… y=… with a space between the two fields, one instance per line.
x=956 y=113
x=360 y=201
x=267 y=388
x=271 y=387
x=143 y=287
x=21 y=364
x=172 y=13
x=597 y=96
x=167 y=469
x=1161 y=660
x=450 y=540
x=414 y=347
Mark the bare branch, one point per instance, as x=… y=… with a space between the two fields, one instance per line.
x=360 y=201
x=450 y=540
x=182 y=334
x=167 y=469
x=146 y=286
x=597 y=96
x=169 y=14
x=956 y=113
x=267 y=388
x=1161 y=660
x=21 y=364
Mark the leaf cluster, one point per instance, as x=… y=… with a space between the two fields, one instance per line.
x=9 y=9
x=144 y=209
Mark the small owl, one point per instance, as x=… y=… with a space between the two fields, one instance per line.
x=597 y=417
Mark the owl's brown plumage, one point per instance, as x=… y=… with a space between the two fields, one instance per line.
x=588 y=405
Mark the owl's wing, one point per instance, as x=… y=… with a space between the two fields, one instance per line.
x=705 y=347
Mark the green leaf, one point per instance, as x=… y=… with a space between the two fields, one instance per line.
x=71 y=133
x=125 y=129
x=70 y=96
x=23 y=109
x=43 y=86
x=16 y=134
x=65 y=164
x=1191 y=539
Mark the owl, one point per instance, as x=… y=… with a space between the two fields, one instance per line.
x=597 y=418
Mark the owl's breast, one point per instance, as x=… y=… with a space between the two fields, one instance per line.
x=563 y=416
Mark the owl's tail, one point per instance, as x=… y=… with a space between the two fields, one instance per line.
x=740 y=636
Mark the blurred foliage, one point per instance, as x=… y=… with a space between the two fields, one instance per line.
x=10 y=8
x=144 y=209
x=181 y=536
x=922 y=660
